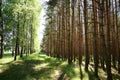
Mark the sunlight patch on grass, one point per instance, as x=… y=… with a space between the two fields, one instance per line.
x=102 y=74
x=57 y=72
x=19 y=62
x=76 y=78
x=77 y=72
x=85 y=76
x=38 y=67
x=6 y=60
x=64 y=63
x=41 y=59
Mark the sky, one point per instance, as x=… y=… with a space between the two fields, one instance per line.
x=42 y=22
x=41 y=26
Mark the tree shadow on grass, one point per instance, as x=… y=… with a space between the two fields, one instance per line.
x=81 y=73
x=61 y=77
x=69 y=70
x=25 y=69
x=91 y=76
x=116 y=76
x=29 y=68
x=20 y=70
x=53 y=63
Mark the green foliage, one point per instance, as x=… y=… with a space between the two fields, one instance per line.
x=69 y=70
x=25 y=13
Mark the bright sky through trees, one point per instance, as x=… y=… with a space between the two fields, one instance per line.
x=41 y=28
x=42 y=22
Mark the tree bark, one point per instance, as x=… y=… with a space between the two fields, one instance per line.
x=69 y=41
x=86 y=37
x=2 y=31
x=108 y=56
x=17 y=40
x=95 y=51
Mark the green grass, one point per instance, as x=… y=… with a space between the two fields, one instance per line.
x=38 y=66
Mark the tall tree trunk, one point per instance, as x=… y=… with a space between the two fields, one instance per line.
x=80 y=39
x=118 y=44
x=23 y=36
x=108 y=56
x=17 y=40
x=80 y=32
x=57 y=32
x=63 y=29
x=102 y=36
x=72 y=29
x=114 y=49
x=31 y=38
x=2 y=31
x=86 y=37
x=69 y=41
x=95 y=51
x=13 y=46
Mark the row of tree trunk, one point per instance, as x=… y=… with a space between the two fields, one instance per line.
x=77 y=28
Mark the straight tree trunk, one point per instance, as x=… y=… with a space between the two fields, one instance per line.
x=116 y=23
x=108 y=56
x=23 y=36
x=114 y=49
x=13 y=33
x=72 y=29
x=17 y=40
x=79 y=39
x=2 y=31
x=86 y=37
x=31 y=39
x=62 y=32
x=69 y=33
x=95 y=51
x=80 y=31
x=57 y=46
x=102 y=36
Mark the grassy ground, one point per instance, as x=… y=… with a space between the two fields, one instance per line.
x=41 y=67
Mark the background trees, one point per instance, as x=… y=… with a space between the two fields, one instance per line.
x=19 y=23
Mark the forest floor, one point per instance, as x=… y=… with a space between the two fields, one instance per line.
x=38 y=66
